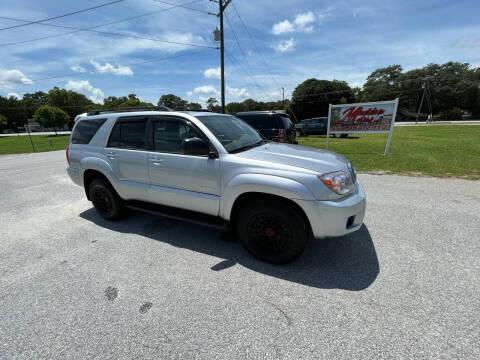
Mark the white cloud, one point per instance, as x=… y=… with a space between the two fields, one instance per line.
x=13 y=94
x=237 y=92
x=284 y=46
x=84 y=87
x=189 y=93
x=109 y=68
x=77 y=68
x=206 y=90
x=213 y=73
x=282 y=27
x=303 y=21
x=8 y=78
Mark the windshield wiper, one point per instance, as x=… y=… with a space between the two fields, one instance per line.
x=246 y=147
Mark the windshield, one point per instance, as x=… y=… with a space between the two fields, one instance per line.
x=233 y=133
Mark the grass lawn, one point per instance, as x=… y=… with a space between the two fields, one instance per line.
x=437 y=150
x=21 y=144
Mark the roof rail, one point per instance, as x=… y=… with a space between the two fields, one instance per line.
x=201 y=110
x=128 y=109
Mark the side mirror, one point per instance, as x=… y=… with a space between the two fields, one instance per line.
x=195 y=146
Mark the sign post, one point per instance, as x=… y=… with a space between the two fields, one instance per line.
x=374 y=117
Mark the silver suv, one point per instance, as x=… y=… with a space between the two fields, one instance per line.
x=215 y=170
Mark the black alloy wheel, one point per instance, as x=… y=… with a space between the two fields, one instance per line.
x=273 y=232
x=105 y=199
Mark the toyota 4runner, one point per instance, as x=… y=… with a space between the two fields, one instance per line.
x=216 y=170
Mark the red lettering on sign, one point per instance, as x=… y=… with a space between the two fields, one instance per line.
x=355 y=115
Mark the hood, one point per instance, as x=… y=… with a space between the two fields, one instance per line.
x=319 y=160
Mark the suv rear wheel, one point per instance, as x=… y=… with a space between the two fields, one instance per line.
x=105 y=199
x=272 y=231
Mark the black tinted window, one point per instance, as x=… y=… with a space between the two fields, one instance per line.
x=168 y=135
x=128 y=135
x=287 y=123
x=85 y=129
x=261 y=121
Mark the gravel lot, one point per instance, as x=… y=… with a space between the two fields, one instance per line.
x=72 y=285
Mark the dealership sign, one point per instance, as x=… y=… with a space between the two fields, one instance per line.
x=374 y=117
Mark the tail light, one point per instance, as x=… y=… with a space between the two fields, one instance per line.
x=281 y=135
x=66 y=154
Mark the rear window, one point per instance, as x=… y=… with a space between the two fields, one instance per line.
x=287 y=123
x=85 y=130
x=261 y=121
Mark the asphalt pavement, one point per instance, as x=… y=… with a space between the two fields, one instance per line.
x=75 y=286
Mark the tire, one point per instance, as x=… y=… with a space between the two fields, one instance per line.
x=272 y=231
x=105 y=200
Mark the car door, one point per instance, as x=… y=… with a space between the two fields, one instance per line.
x=127 y=154
x=179 y=180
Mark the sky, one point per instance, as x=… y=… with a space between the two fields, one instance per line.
x=280 y=44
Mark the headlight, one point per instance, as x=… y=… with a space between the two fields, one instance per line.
x=338 y=181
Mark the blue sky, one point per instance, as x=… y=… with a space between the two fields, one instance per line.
x=345 y=40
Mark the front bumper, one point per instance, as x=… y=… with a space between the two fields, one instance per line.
x=336 y=217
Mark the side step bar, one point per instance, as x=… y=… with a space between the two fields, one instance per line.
x=178 y=214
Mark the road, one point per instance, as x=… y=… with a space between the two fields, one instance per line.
x=37 y=133
x=74 y=286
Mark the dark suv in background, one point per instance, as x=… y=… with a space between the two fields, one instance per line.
x=273 y=125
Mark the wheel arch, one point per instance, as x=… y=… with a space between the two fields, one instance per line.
x=97 y=168
x=244 y=187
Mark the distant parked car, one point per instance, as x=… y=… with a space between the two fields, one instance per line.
x=275 y=126
x=317 y=126
x=8 y=131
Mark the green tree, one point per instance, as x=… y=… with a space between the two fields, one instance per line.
x=3 y=122
x=312 y=97
x=31 y=102
x=194 y=106
x=13 y=110
x=173 y=102
x=51 y=117
x=212 y=105
x=71 y=102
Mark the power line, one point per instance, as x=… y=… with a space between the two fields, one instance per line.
x=88 y=28
x=185 y=7
x=241 y=50
x=235 y=63
x=118 y=34
x=255 y=45
x=64 y=15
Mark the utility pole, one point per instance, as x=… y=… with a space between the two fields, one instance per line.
x=283 y=98
x=222 y=5
x=426 y=91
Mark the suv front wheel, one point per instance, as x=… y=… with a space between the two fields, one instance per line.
x=272 y=231
x=105 y=199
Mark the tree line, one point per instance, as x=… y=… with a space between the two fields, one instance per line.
x=454 y=88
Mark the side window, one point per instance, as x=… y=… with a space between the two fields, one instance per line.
x=168 y=135
x=85 y=130
x=128 y=135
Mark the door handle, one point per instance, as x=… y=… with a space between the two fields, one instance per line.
x=156 y=161
x=111 y=155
